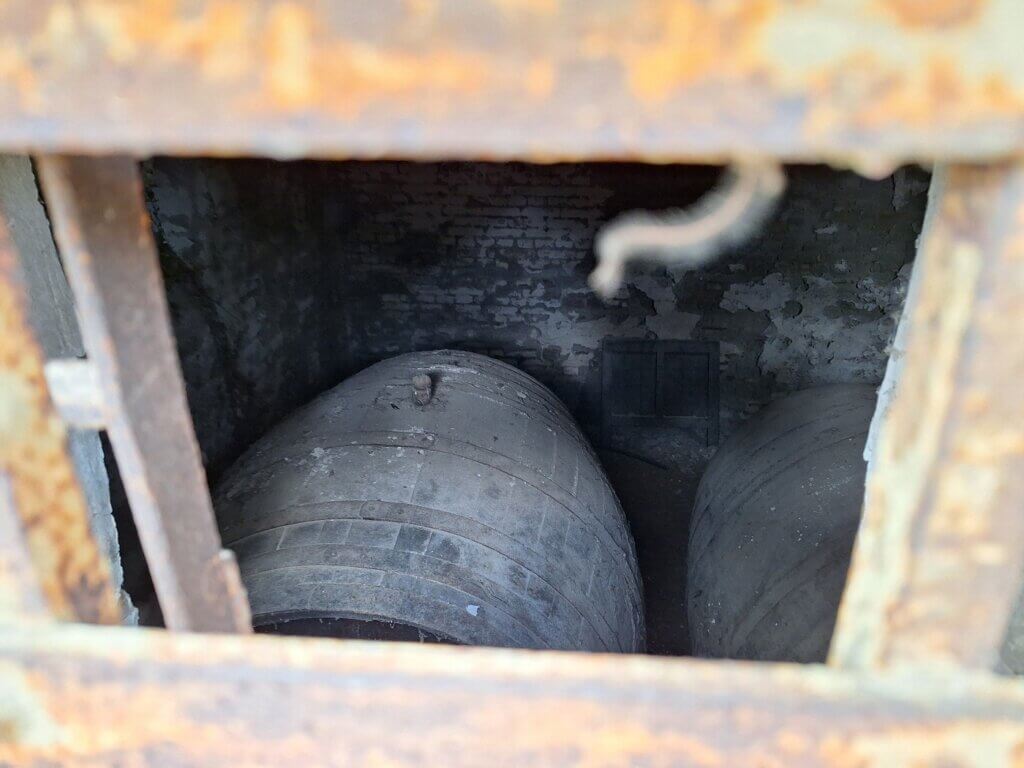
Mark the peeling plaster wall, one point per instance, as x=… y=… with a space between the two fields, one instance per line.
x=821 y=331
x=284 y=278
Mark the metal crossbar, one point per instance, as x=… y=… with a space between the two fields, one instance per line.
x=867 y=83
x=106 y=244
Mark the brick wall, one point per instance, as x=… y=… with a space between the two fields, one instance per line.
x=284 y=278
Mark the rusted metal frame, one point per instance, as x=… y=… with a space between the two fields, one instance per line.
x=939 y=558
x=91 y=696
x=21 y=594
x=103 y=232
x=50 y=565
x=863 y=82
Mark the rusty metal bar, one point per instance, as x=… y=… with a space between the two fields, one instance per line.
x=862 y=82
x=62 y=573
x=939 y=559
x=103 y=233
x=91 y=696
x=21 y=594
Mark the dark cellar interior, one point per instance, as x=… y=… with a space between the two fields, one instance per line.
x=285 y=278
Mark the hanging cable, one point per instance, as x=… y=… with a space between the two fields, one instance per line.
x=726 y=216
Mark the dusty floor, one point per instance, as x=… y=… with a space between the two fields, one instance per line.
x=657 y=502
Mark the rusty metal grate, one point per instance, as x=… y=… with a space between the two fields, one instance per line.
x=859 y=83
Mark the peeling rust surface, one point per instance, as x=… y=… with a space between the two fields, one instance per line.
x=103 y=232
x=99 y=697
x=935 y=14
x=862 y=82
x=939 y=556
x=21 y=595
x=65 y=574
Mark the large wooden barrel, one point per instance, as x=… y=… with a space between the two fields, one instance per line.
x=773 y=527
x=464 y=507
